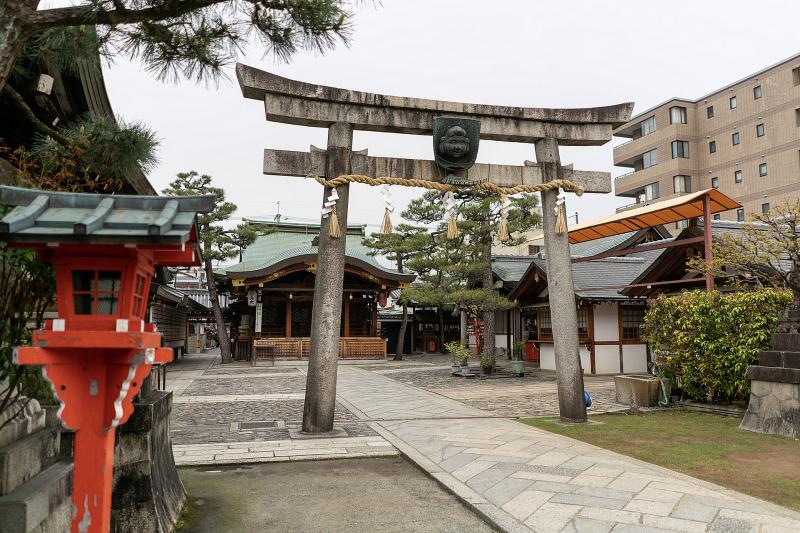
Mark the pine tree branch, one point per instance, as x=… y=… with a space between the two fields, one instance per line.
x=80 y=15
x=40 y=126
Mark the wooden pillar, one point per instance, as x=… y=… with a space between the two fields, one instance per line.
x=462 y=324
x=326 y=316
x=708 y=253
x=374 y=305
x=561 y=293
x=347 y=315
x=288 y=318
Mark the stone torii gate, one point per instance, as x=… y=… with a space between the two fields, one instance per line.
x=342 y=111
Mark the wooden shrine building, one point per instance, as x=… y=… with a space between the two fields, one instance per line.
x=273 y=288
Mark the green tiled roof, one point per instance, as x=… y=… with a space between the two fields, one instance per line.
x=294 y=240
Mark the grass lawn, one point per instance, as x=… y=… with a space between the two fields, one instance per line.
x=705 y=446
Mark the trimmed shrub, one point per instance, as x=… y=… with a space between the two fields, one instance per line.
x=709 y=339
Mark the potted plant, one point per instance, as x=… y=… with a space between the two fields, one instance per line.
x=516 y=362
x=461 y=355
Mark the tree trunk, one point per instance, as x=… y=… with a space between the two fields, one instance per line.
x=326 y=317
x=440 y=316
x=222 y=332
x=401 y=339
x=488 y=288
x=13 y=33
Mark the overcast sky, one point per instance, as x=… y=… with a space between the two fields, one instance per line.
x=568 y=53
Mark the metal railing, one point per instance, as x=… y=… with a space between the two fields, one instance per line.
x=623 y=175
x=626 y=142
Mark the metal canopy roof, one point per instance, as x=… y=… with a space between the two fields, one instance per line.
x=672 y=210
x=65 y=217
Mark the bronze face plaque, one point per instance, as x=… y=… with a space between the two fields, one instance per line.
x=455 y=144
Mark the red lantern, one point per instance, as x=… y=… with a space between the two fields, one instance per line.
x=99 y=350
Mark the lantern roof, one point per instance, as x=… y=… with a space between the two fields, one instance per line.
x=68 y=217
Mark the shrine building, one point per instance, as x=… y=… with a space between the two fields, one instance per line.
x=273 y=289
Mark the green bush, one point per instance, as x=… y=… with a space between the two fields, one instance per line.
x=709 y=339
x=460 y=353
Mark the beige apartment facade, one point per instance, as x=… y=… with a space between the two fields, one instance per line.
x=743 y=139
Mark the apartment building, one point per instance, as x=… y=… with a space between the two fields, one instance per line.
x=743 y=139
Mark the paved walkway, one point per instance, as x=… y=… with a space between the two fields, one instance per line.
x=526 y=479
x=239 y=414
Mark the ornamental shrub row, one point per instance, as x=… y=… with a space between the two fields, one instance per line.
x=708 y=339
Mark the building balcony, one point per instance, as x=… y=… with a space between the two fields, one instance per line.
x=628 y=152
x=628 y=184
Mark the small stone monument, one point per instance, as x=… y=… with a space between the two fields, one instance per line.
x=775 y=382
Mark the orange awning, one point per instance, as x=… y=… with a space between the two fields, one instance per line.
x=672 y=210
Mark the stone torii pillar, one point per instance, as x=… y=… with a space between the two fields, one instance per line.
x=342 y=111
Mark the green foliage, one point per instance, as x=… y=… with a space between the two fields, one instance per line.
x=519 y=350
x=709 y=339
x=452 y=272
x=219 y=244
x=27 y=288
x=61 y=48
x=104 y=147
x=461 y=354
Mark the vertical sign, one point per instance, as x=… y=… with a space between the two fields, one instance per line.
x=258 y=318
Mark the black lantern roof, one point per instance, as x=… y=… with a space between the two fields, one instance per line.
x=66 y=217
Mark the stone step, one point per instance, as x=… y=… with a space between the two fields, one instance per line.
x=786 y=342
x=774 y=374
x=780 y=358
x=37 y=501
x=25 y=458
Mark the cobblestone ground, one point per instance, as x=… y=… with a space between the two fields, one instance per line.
x=239 y=404
x=535 y=394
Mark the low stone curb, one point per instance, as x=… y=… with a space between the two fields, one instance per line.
x=280 y=451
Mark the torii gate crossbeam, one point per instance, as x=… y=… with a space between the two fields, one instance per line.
x=342 y=111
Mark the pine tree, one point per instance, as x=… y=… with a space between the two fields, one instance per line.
x=458 y=272
x=218 y=243
x=399 y=246
x=191 y=38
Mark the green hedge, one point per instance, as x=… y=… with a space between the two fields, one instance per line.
x=709 y=339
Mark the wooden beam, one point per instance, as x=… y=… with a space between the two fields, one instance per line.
x=292 y=163
x=638 y=249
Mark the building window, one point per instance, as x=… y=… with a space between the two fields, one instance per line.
x=740 y=215
x=545 y=324
x=534 y=249
x=95 y=292
x=716 y=216
x=765 y=208
x=796 y=75
x=759 y=130
x=649 y=158
x=632 y=322
x=715 y=182
x=583 y=324
x=682 y=224
x=712 y=147
x=756 y=92
x=797 y=116
x=732 y=102
x=762 y=169
x=737 y=176
x=677 y=115
x=648 y=126
x=710 y=111
x=680 y=149
x=735 y=138
x=650 y=192
x=682 y=183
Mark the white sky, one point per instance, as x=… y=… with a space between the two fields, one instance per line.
x=570 y=53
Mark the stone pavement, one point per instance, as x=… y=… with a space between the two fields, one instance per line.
x=239 y=414
x=523 y=478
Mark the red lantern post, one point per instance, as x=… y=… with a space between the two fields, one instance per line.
x=99 y=350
